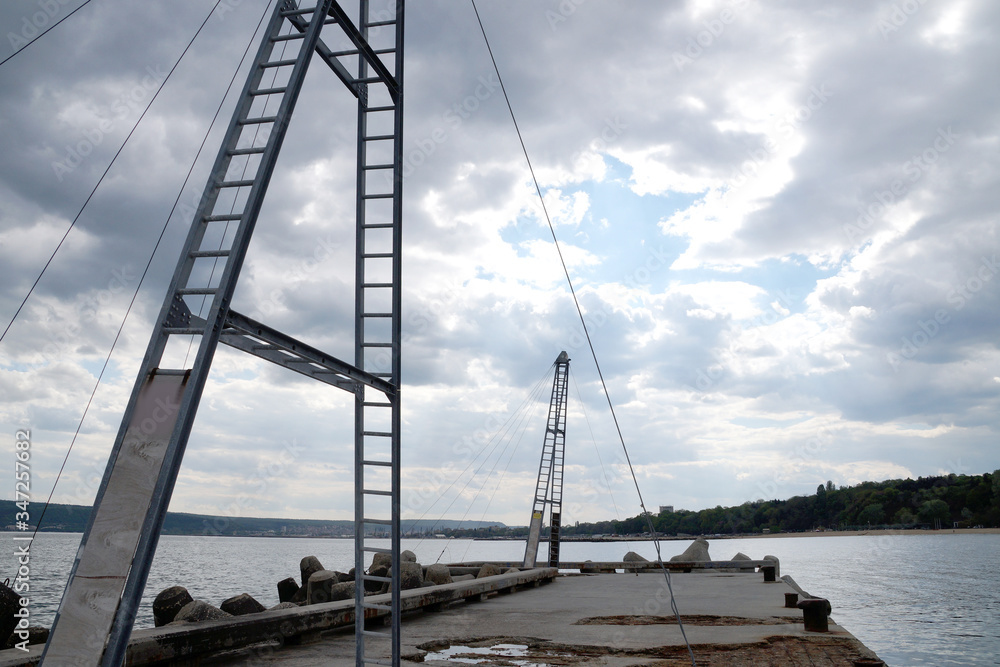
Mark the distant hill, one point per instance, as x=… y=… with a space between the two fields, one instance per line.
x=73 y=519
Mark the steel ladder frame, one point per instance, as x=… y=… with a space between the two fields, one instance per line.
x=98 y=608
x=548 y=488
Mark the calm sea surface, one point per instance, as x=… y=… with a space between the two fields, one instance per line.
x=927 y=599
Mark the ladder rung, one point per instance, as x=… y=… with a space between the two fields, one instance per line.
x=376 y=492
x=376 y=255
x=369 y=577
x=379 y=137
x=379 y=607
x=376 y=284
x=378 y=225
x=382 y=52
x=343 y=54
x=376 y=314
x=247 y=151
x=268 y=91
x=384 y=195
x=386 y=107
x=378 y=166
x=208 y=253
x=279 y=63
x=288 y=36
x=376 y=404
x=376 y=550
x=378 y=522
x=197 y=290
x=297 y=12
x=223 y=218
x=369 y=79
x=376 y=344
x=381 y=434
x=385 y=464
x=235 y=184
x=261 y=120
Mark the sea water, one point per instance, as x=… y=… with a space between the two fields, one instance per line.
x=915 y=599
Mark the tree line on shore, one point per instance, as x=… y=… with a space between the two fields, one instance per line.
x=926 y=502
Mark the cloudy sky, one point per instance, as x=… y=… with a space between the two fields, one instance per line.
x=780 y=219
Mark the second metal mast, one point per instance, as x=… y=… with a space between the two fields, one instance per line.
x=548 y=488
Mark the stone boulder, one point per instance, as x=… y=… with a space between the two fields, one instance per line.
x=168 y=602
x=633 y=557
x=307 y=566
x=345 y=576
x=438 y=574
x=777 y=566
x=589 y=567
x=380 y=560
x=740 y=556
x=408 y=556
x=320 y=584
x=241 y=605
x=287 y=588
x=488 y=570
x=198 y=610
x=10 y=604
x=411 y=575
x=697 y=551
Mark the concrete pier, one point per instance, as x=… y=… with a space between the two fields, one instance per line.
x=621 y=619
x=607 y=619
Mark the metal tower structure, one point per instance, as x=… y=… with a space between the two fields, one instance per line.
x=548 y=489
x=95 y=617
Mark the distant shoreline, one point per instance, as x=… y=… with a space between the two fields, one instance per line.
x=851 y=533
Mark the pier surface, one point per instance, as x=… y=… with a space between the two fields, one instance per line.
x=604 y=619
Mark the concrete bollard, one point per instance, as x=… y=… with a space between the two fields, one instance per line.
x=791 y=600
x=816 y=613
x=769 y=574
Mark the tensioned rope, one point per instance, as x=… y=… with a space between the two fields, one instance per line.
x=156 y=246
x=590 y=344
x=43 y=33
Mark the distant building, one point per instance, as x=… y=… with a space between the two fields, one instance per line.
x=666 y=508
